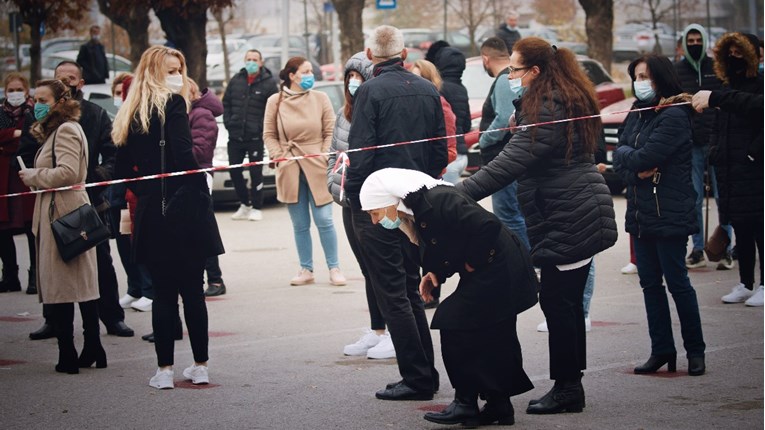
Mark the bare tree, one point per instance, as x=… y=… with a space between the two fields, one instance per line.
x=555 y=12
x=217 y=13
x=134 y=18
x=472 y=13
x=599 y=24
x=350 y=23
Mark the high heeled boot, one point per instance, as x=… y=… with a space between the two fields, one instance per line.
x=566 y=396
x=655 y=362
x=497 y=409
x=463 y=410
x=62 y=316
x=92 y=351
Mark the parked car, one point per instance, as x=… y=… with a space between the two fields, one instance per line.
x=50 y=62
x=223 y=188
x=272 y=58
x=52 y=46
x=215 y=49
x=422 y=38
x=635 y=39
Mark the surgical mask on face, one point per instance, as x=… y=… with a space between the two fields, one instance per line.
x=306 y=82
x=759 y=67
x=353 y=85
x=117 y=102
x=644 y=91
x=174 y=83
x=252 y=67
x=41 y=111
x=516 y=85
x=390 y=225
x=695 y=51
x=16 y=98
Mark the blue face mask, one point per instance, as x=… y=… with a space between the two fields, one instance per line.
x=306 y=82
x=644 y=91
x=353 y=85
x=516 y=85
x=252 y=67
x=41 y=111
x=760 y=67
x=390 y=225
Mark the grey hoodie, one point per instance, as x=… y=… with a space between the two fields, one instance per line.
x=696 y=64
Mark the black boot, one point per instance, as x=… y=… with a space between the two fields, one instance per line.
x=32 y=283
x=62 y=316
x=44 y=332
x=497 y=409
x=463 y=410
x=696 y=366
x=216 y=289
x=655 y=362
x=10 y=281
x=565 y=396
x=93 y=351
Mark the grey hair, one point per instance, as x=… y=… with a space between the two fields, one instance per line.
x=512 y=14
x=386 y=42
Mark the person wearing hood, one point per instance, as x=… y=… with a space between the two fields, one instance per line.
x=455 y=235
x=696 y=72
x=375 y=343
x=654 y=160
x=736 y=151
x=244 y=105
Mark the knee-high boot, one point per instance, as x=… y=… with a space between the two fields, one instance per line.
x=92 y=351
x=62 y=316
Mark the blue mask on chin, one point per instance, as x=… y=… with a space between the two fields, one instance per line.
x=390 y=225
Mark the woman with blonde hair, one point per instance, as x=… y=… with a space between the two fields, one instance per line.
x=152 y=134
x=299 y=122
x=63 y=160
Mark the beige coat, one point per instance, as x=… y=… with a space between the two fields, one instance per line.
x=57 y=281
x=303 y=125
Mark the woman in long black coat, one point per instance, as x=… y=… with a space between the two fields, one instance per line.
x=479 y=343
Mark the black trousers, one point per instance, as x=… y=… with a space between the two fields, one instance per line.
x=377 y=321
x=236 y=155
x=212 y=267
x=109 y=309
x=748 y=235
x=393 y=266
x=8 y=248
x=171 y=278
x=560 y=297
x=488 y=361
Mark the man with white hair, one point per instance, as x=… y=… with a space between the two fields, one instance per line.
x=508 y=31
x=393 y=107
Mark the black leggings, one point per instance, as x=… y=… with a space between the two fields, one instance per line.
x=748 y=235
x=169 y=279
x=8 y=248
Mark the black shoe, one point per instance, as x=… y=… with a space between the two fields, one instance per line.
x=120 y=329
x=497 y=410
x=432 y=304
x=148 y=337
x=32 y=283
x=566 y=396
x=696 y=366
x=403 y=392
x=44 y=332
x=10 y=281
x=459 y=411
x=216 y=290
x=394 y=384
x=655 y=362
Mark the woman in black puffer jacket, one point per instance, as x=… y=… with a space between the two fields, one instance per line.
x=654 y=159
x=568 y=208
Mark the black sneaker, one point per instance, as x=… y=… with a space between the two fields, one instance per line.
x=216 y=290
x=695 y=260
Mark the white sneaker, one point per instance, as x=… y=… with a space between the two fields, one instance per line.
x=242 y=213
x=542 y=327
x=367 y=341
x=739 y=294
x=142 y=305
x=587 y=324
x=303 y=277
x=336 y=277
x=629 y=269
x=756 y=299
x=255 y=215
x=127 y=300
x=384 y=349
x=163 y=380
x=197 y=374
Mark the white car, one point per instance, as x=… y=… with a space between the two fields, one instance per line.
x=117 y=65
x=215 y=50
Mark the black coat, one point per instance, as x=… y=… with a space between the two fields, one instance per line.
x=454 y=230
x=244 y=106
x=97 y=127
x=395 y=106
x=508 y=36
x=658 y=139
x=153 y=240
x=737 y=151
x=689 y=81
x=92 y=58
x=451 y=63
x=567 y=205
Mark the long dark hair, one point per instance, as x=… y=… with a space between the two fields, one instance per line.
x=663 y=75
x=293 y=64
x=348 y=107
x=560 y=73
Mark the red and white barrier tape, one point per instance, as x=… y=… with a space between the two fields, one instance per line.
x=341 y=165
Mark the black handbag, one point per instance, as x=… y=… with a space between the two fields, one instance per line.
x=77 y=231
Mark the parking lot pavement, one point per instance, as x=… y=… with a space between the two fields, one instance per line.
x=276 y=355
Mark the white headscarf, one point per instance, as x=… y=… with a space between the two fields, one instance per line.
x=389 y=186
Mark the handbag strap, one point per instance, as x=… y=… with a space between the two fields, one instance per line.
x=53 y=194
x=162 y=165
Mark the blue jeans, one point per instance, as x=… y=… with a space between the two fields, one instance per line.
x=589 y=287
x=508 y=210
x=301 y=225
x=455 y=168
x=698 y=163
x=657 y=258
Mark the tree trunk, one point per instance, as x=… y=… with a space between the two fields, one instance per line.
x=35 y=66
x=188 y=35
x=218 y=14
x=350 y=24
x=599 y=25
x=135 y=20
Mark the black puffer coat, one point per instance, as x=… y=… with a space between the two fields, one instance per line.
x=450 y=63
x=567 y=205
x=244 y=106
x=660 y=139
x=689 y=81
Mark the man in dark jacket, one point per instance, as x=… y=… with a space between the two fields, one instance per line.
x=92 y=58
x=244 y=104
x=396 y=106
x=696 y=72
x=508 y=31
x=97 y=127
